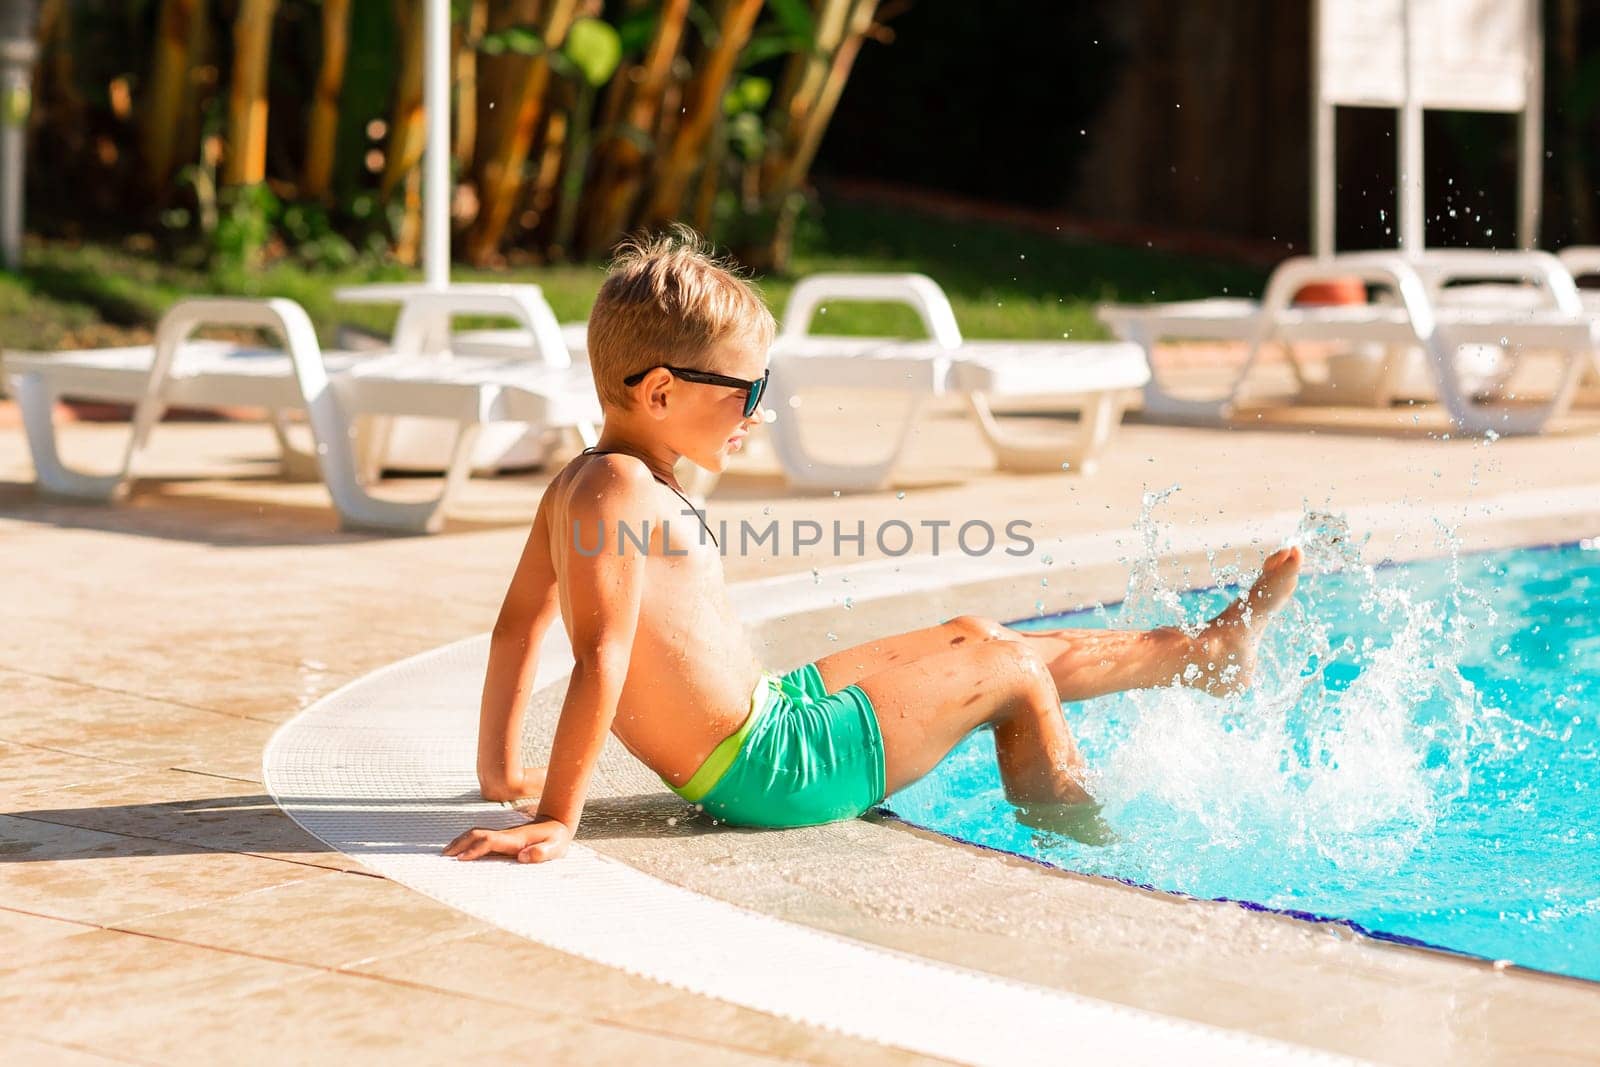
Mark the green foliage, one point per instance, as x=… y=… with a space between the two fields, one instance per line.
x=595 y=48
x=249 y=214
x=516 y=40
x=1003 y=282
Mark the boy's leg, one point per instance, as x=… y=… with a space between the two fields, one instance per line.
x=1091 y=663
x=850 y=665
x=926 y=707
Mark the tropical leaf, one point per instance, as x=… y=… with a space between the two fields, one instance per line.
x=795 y=18
x=595 y=48
x=636 y=29
x=770 y=45
x=748 y=94
x=515 y=40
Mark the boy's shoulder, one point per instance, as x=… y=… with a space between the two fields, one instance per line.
x=601 y=483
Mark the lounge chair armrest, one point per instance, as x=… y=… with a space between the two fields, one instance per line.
x=424 y=322
x=917 y=291
x=1440 y=267
x=1580 y=260
x=1374 y=268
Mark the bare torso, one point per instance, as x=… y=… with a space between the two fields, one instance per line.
x=692 y=669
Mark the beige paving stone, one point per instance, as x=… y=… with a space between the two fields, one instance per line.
x=331 y=1017
x=85 y=985
x=96 y=659
x=19 y=929
x=339 y=920
x=129 y=729
x=181 y=807
x=25 y=1052
x=478 y=966
x=26 y=769
x=92 y=877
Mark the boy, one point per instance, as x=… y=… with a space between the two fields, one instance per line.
x=678 y=347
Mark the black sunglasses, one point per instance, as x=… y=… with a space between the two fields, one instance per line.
x=704 y=377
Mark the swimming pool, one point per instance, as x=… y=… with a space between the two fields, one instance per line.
x=1420 y=757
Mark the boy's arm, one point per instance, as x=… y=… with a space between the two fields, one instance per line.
x=604 y=590
x=530 y=607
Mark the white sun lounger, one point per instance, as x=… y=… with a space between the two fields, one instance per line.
x=468 y=392
x=1089 y=377
x=425 y=326
x=1423 y=313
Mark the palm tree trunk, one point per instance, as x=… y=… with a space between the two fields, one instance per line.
x=703 y=106
x=501 y=176
x=620 y=157
x=322 y=135
x=247 y=96
x=169 y=82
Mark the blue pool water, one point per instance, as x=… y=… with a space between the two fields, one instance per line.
x=1420 y=756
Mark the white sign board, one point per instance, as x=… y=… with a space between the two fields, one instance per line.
x=1467 y=55
x=1413 y=55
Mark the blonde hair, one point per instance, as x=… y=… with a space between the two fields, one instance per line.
x=668 y=300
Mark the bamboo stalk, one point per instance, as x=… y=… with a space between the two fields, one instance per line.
x=169 y=81
x=408 y=125
x=620 y=163
x=501 y=177
x=408 y=241
x=322 y=135
x=704 y=105
x=820 y=111
x=247 y=97
x=804 y=77
x=466 y=110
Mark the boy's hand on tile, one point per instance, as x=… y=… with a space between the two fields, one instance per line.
x=535 y=842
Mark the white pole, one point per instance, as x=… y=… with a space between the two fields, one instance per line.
x=1322 y=150
x=1412 y=205
x=1531 y=128
x=436 y=187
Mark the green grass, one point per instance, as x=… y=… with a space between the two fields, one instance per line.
x=1003 y=282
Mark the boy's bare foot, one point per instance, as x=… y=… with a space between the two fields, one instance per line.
x=1227 y=646
x=1081 y=822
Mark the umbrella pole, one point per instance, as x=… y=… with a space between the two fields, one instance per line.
x=436 y=185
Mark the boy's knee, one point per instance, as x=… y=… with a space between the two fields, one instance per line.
x=1018 y=661
x=978 y=628
x=1032 y=665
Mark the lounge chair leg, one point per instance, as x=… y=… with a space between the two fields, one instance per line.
x=37 y=403
x=296 y=464
x=805 y=471
x=1161 y=404
x=1078 y=451
x=1505 y=420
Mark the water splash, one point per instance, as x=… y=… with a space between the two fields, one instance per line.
x=1347 y=750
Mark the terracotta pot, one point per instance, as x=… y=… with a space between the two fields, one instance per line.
x=1333 y=291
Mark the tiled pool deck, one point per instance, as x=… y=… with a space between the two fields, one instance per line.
x=156 y=907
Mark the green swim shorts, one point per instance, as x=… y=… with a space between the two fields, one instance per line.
x=804 y=756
